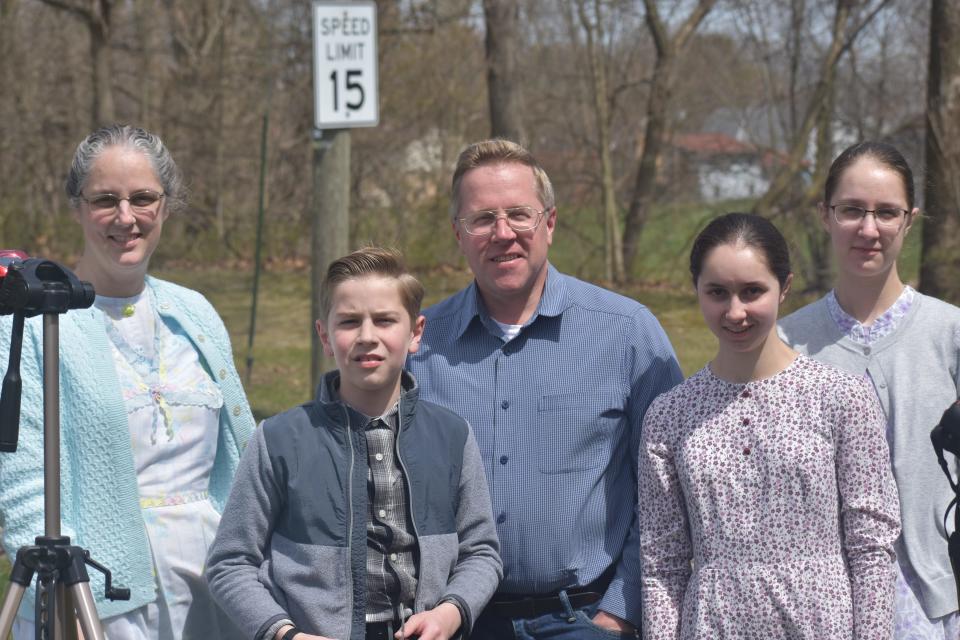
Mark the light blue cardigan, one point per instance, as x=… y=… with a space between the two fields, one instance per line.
x=100 y=500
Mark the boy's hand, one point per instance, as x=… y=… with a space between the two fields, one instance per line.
x=439 y=623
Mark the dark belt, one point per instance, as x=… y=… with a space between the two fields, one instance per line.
x=380 y=631
x=512 y=605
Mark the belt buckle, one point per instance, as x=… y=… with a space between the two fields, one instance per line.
x=380 y=630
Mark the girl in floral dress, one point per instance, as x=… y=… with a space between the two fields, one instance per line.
x=907 y=345
x=766 y=501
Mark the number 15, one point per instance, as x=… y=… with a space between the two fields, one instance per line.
x=351 y=86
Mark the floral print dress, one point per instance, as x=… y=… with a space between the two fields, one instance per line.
x=767 y=509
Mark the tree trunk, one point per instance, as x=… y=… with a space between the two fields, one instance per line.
x=503 y=82
x=940 y=257
x=818 y=243
x=667 y=48
x=103 y=112
x=645 y=183
x=841 y=39
x=95 y=14
x=613 y=245
x=784 y=179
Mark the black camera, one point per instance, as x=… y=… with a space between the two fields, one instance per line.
x=33 y=286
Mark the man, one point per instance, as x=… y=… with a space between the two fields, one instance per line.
x=554 y=375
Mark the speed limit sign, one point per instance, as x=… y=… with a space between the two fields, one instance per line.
x=345 y=64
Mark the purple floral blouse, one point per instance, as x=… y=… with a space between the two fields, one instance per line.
x=767 y=509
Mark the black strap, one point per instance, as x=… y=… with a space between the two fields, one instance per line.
x=291 y=632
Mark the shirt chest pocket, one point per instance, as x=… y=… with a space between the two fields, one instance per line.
x=579 y=430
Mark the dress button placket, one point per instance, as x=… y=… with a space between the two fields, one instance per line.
x=745 y=421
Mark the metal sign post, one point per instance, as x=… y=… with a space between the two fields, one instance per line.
x=345 y=95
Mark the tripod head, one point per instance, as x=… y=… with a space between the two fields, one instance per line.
x=30 y=287
x=33 y=286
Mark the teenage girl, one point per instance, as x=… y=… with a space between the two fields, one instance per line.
x=767 y=506
x=908 y=346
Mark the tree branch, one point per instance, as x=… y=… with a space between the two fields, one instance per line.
x=84 y=13
x=863 y=23
x=689 y=26
x=657 y=29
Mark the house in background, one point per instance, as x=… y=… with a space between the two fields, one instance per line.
x=711 y=167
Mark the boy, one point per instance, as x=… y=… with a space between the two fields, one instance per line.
x=352 y=512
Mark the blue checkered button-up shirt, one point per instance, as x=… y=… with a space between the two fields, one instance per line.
x=557 y=414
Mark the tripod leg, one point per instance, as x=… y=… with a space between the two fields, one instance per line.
x=11 y=604
x=66 y=627
x=82 y=599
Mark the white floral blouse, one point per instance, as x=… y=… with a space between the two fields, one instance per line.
x=767 y=509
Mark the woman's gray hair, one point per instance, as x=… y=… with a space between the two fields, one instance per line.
x=149 y=144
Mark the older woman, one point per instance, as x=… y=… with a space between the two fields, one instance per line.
x=154 y=416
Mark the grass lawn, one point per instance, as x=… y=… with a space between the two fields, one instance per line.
x=281 y=352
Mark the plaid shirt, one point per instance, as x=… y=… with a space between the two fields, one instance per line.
x=391 y=544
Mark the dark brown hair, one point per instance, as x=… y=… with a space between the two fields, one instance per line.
x=748 y=229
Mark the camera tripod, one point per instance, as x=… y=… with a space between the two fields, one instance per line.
x=64 y=597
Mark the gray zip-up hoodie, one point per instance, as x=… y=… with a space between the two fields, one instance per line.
x=293 y=539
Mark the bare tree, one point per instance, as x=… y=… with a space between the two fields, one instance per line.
x=613 y=244
x=668 y=47
x=940 y=262
x=847 y=25
x=95 y=14
x=199 y=37
x=503 y=82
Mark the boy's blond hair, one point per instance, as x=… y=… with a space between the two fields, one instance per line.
x=372 y=261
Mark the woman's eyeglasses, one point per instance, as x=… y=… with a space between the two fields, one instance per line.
x=144 y=202
x=886 y=217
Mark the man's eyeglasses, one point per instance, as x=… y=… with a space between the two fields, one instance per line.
x=143 y=203
x=886 y=217
x=520 y=219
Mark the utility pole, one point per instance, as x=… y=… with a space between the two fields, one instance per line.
x=331 y=223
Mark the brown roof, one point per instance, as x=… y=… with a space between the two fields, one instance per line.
x=711 y=143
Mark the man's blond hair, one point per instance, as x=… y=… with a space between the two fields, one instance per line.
x=498 y=151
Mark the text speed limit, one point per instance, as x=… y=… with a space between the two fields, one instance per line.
x=345 y=64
